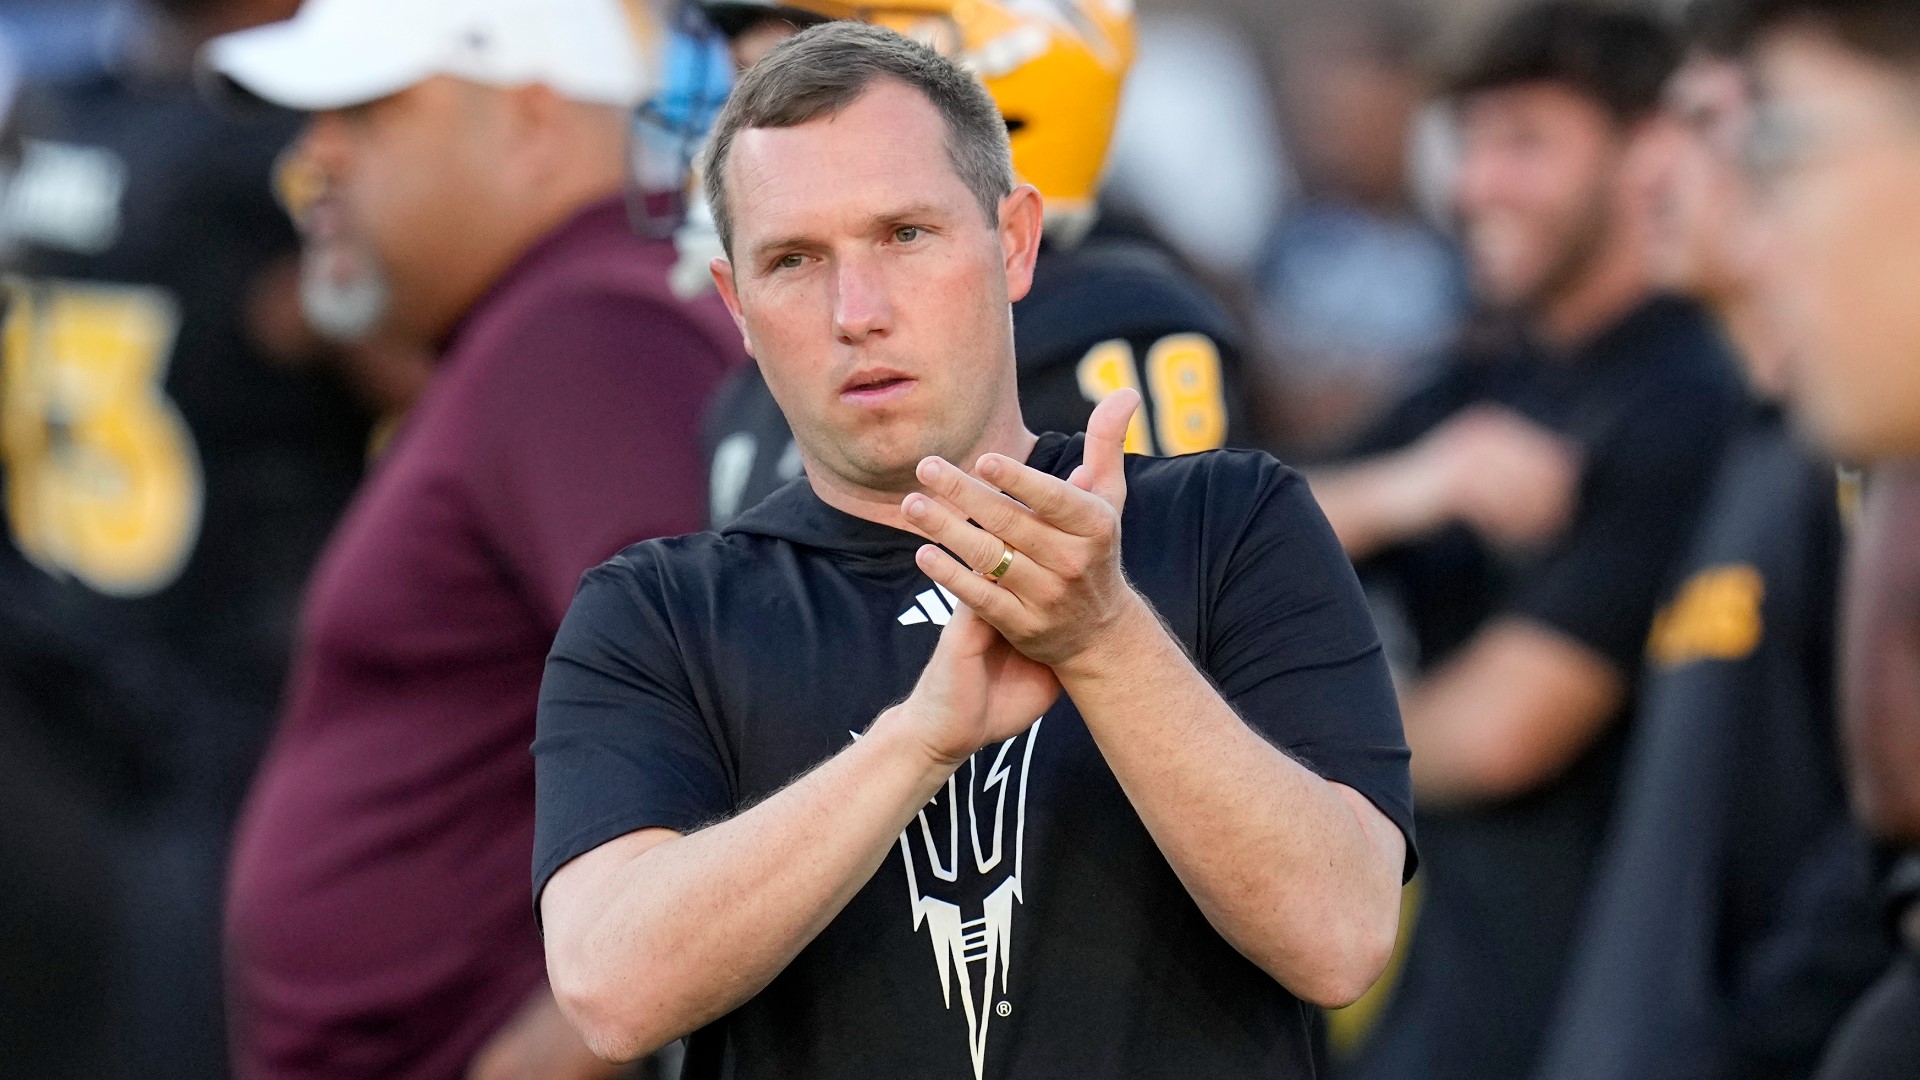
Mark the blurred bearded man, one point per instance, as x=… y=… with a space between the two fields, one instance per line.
x=1518 y=517
x=471 y=159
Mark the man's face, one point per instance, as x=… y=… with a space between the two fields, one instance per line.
x=1837 y=154
x=1535 y=193
x=1703 y=245
x=401 y=178
x=872 y=288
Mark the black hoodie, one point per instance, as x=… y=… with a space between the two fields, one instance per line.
x=1027 y=926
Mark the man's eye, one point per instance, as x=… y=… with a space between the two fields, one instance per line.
x=790 y=261
x=906 y=234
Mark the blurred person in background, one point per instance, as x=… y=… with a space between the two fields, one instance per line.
x=379 y=924
x=1358 y=295
x=1519 y=515
x=1836 y=155
x=1730 y=945
x=175 y=445
x=1106 y=310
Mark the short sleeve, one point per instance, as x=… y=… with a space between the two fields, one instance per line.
x=592 y=436
x=1642 y=493
x=620 y=743
x=1292 y=647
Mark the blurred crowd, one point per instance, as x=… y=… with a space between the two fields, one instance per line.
x=325 y=375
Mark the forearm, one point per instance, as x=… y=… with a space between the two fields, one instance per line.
x=692 y=927
x=1509 y=712
x=1374 y=504
x=1277 y=858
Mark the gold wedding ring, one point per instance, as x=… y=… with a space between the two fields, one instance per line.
x=1000 y=568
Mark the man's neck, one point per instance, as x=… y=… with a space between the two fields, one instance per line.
x=1749 y=328
x=1613 y=285
x=882 y=504
x=490 y=258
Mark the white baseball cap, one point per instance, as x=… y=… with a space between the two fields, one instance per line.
x=338 y=53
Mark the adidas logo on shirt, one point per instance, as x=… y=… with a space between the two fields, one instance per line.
x=935 y=606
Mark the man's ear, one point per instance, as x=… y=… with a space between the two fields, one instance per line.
x=722 y=272
x=1021 y=220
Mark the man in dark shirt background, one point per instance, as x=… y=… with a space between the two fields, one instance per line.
x=175 y=446
x=1206 y=829
x=1107 y=309
x=1733 y=917
x=377 y=924
x=1519 y=516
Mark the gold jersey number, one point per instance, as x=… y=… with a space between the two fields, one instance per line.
x=1183 y=392
x=102 y=479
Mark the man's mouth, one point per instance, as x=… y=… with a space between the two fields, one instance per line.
x=875 y=387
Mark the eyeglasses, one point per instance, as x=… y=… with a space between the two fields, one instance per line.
x=1784 y=138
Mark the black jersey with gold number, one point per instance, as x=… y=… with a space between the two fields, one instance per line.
x=1111 y=312
x=170 y=477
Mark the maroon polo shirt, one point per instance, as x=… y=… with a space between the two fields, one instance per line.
x=378 y=923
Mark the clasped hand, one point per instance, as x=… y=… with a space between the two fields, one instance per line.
x=999 y=661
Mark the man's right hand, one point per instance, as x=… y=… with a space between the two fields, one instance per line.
x=976 y=690
x=1498 y=473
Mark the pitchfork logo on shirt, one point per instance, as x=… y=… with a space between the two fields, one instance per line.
x=963 y=854
x=963 y=857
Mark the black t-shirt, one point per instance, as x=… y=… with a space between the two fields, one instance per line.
x=1734 y=915
x=697 y=675
x=175 y=481
x=1649 y=403
x=1113 y=311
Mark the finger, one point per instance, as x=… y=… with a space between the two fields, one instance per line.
x=992 y=603
x=1106 y=459
x=1013 y=523
x=977 y=548
x=1054 y=501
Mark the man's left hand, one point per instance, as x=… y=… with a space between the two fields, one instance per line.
x=1065 y=589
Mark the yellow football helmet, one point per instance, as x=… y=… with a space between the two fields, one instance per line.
x=1055 y=67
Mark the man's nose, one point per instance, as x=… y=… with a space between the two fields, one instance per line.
x=861 y=304
x=323 y=144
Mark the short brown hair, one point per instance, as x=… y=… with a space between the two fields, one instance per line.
x=823 y=69
x=1614 y=56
